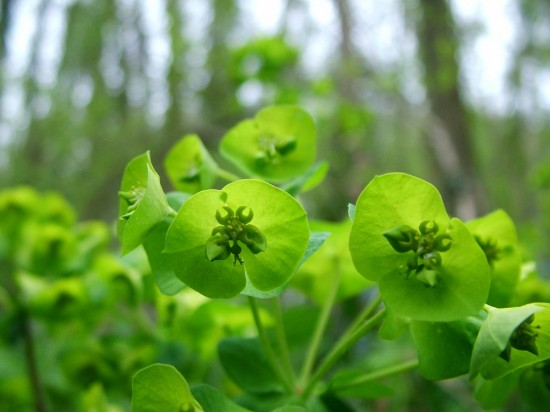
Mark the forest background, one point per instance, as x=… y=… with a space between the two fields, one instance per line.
x=454 y=92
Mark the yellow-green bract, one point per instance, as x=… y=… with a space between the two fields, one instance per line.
x=496 y=234
x=142 y=203
x=396 y=199
x=189 y=166
x=279 y=217
x=495 y=334
x=278 y=144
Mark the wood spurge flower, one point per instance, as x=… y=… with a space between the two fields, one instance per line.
x=426 y=245
x=234 y=229
x=213 y=225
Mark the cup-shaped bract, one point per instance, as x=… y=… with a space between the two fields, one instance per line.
x=496 y=235
x=510 y=339
x=445 y=348
x=278 y=144
x=189 y=166
x=142 y=202
x=208 y=219
x=448 y=283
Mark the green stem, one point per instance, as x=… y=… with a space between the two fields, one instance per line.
x=171 y=212
x=365 y=314
x=281 y=338
x=322 y=322
x=225 y=175
x=340 y=349
x=32 y=366
x=378 y=374
x=270 y=355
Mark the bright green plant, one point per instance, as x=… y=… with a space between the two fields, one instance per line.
x=416 y=271
x=61 y=348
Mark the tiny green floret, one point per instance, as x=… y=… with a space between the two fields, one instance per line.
x=523 y=338
x=272 y=149
x=132 y=198
x=426 y=244
x=234 y=227
x=490 y=248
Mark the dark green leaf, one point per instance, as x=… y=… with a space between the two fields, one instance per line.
x=245 y=362
x=213 y=400
x=162 y=388
x=445 y=349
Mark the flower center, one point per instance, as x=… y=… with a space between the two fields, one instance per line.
x=490 y=248
x=234 y=228
x=426 y=244
x=132 y=198
x=272 y=149
x=524 y=338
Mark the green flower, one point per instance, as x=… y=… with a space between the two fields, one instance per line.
x=189 y=166
x=142 y=202
x=428 y=267
x=510 y=339
x=249 y=234
x=278 y=144
x=496 y=235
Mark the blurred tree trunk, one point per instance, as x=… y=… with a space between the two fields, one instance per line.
x=219 y=103
x=450 y=137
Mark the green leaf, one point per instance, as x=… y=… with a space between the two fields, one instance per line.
x=189 y=166
x=162 y=387
x=505 y=260
x=311 y=179
x=494 y=337
x=213 y=400
x=333 y=257
x=279 y=144
x=494 y=393
x=445 y=349
x=245 y=363
x=316 y=240
x=162 y=265
x=348 y=383
x=534 y=386
x=397 y=199
x=147 y=208
x=277 y=215
x=268 y=401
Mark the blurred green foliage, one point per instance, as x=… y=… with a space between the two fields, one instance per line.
x=69 y=123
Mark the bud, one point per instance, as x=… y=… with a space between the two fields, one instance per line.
x=402 y=238
x=432 y=259
x=428 y=227
x=442 y=242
